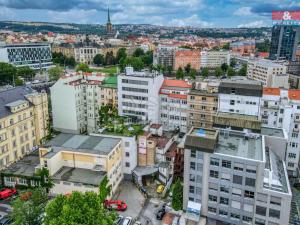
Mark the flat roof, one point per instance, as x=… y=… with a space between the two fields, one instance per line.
x=248 y=146
x=25 y=166
x=83 y=143
x=275 y=132
x=79 y=175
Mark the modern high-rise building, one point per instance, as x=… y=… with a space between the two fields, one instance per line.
x=284 y=42
x=138 y=94
x=35 y=55
x=164 y=55
x=213 y=59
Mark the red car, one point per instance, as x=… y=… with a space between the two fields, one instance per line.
x=115 y=204
x=6 y=193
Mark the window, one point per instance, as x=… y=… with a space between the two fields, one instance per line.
x=237 y=179
x=248 y=208
x=260 y=210
x=192 y=189
x=223 y=213
x=192 y=177
x=250 y=182
x=127 y=164
x=225 y=176
x=213 y=186
x=212 y=210
x=235 y=204
x=274 y=213
x=212 y=198
x=275 y=200
x=127 y=144
x=260 y=222
x=249 y=194
x=251 y=169
x=192 y=165
x=193 y=153
x=224 y=189
x=236 y=191
x=214 y=162
x=238 y=166
x=262 y=197
x=224 y=201
x=231 y=102
x=214 y=174
x=292 y=155
x=235 y=216
x=226 y=164
x=247 y=219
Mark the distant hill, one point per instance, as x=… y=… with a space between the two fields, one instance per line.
x=133 y=29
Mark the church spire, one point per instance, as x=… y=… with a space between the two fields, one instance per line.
x=108 y=14
x=108 y=24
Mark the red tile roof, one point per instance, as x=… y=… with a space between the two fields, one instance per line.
x=271 y=91
x=187 y=53
x=155 y=125
x=176 y=83
x=294 y=94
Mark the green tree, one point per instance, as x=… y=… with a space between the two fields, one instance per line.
x=121 y=54
x=29 y=208
x=83 y=67
x=104 y=189
x=7 y=73
x=243 y=70
x=169 y=69
x=263 y=46
x=19 y=82
x=55 y=73
x=193 y=74
x=78 y=209
x=98 y=59
x=224 y=67
x=135 y=62
x=226 y=46
x=187 y=68
x=71 y=62
x=230 y=72
x=26 y=72
x=138 y=52
x=148 y=58
x=218 y=72
x=177 y=196
x=205 y=72
x=180 y=73
x=233 y=62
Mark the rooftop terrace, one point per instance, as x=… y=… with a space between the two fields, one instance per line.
x=274 y=132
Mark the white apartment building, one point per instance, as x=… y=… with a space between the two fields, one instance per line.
x=281 y=109
x=236 y=178
x=214 y=59
x=138 y=94
x=34 y=55
x=76 y=99
x=173 y=104
x=271 y=74
x=241 y=97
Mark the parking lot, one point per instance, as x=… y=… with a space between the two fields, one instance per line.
x=133 y=198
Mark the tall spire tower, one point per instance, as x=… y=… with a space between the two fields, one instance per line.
x=108 y=24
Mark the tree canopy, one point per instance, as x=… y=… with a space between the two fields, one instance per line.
x=78 y=209
x=55 y=73
x=62 y=60
x=243 y=70
x=179 y=73
x=121 y=54
x=218 y=72
x=98 y=59
x=8 y=73
x=26 y=72
x=83 y=67
x=204 y=72
x=177 y=196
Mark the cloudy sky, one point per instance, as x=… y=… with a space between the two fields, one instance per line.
x=199 y=13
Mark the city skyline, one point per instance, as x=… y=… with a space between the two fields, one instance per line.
x=196 y=13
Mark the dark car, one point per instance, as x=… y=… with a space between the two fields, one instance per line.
x=119 y=220
x=161 y=212
x=5 y=221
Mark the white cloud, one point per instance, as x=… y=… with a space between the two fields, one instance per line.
x=193 y=20
x=243 y=11
x=258 y=23
x=7 y=13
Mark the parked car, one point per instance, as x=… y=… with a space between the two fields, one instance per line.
x=137 y=223
x=160 y=189
x=119 y=220
x=5 y=220
x=115 y=204
x=7 y=192
x=127 y=221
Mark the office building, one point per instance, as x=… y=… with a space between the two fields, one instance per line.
x=35 y=55
x=234 y=177
x=23 y=122
x=173 y=105
x=214 y=59
x=80 y=162
x=76 y=99
x=138 y=94
x=284 y=42
x=270 y=73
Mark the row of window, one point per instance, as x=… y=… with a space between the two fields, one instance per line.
x=228 y=164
